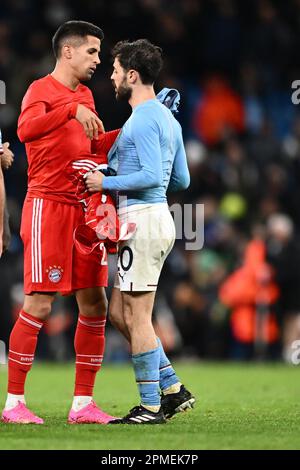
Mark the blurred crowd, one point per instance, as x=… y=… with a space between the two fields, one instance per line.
x=234 y=63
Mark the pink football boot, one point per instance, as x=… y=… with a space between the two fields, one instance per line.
x=20 y=414
x=90 y=414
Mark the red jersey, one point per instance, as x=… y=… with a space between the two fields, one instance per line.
x=53 y=136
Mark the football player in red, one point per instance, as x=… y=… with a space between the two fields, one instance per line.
x=58 y=122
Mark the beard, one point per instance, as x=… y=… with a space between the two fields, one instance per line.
x=123 y=92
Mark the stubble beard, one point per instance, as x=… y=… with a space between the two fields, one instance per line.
x=123 y=92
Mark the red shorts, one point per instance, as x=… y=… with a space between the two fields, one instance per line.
x=51 y=261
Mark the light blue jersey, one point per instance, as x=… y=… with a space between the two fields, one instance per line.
x=149 y=155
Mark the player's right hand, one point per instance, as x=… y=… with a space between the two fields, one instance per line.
x=7 y=157
x=91 y=123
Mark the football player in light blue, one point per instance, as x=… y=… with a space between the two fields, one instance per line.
x=150 y=160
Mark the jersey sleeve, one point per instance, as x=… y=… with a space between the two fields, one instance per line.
x=34 y=121
x=104 y=142
x=145 y=134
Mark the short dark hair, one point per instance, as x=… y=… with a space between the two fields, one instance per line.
x=70 y=29
x=140 y=55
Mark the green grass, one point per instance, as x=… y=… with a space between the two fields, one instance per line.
x=240 y=406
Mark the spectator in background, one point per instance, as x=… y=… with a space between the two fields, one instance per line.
x=251 y=292
x=219 y=112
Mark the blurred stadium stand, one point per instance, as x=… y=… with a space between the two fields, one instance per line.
x=234 y=63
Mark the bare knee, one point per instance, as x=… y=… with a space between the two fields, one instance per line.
x=94 y=308
x=92 y=302
x=38 y=305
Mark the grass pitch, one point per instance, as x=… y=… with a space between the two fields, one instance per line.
x=239 y=406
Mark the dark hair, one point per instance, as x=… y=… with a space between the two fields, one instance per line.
x=70 y=29
x=140 y=55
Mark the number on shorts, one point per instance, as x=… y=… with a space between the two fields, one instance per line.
x=126 y=248
x=103 y=261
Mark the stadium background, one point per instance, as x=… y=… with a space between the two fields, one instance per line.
x=234 y=63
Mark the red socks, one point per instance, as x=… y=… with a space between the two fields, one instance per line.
x=22 y=344
x=89 y=346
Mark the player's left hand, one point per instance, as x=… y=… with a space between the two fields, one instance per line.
x=93 y=181
x=8 y=157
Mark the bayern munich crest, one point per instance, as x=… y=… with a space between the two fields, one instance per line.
x=55 y=273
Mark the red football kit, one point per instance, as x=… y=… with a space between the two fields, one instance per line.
x=51 y=209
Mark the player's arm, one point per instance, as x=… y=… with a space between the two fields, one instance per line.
x=145 y=134
x=2 y=199
x=180 y=176
x=35 y=122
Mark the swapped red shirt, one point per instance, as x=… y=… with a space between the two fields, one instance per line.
x=53 y=136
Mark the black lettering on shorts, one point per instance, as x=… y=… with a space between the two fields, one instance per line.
x=126 y=248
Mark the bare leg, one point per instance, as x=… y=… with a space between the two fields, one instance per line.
x=116 y=314
x=137 y=309
x=92 y=302
x=38 y=305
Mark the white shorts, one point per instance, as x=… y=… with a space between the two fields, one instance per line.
x=140 y=259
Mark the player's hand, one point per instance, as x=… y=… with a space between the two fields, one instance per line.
x=91 y=123
x=93 y=181
x=7 y=157
x=1 y=246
